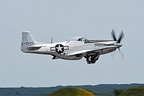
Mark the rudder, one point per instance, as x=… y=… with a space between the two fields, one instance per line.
x=27 y=40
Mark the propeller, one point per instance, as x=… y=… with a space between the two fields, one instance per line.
x=120 y=37
x=122 y=55
x=113 y=35
x=118 y=40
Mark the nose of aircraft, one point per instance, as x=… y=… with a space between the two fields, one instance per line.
x=119 y=45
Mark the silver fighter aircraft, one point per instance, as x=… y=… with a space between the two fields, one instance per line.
x=73 y=49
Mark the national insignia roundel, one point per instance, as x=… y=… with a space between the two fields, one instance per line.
x=59 y=48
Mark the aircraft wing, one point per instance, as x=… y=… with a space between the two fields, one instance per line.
x=92 y=55
x=85 y=52
x=79 y=52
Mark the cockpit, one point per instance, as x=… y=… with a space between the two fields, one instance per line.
x=79 y=39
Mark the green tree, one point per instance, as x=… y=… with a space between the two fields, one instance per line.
x=117 y=92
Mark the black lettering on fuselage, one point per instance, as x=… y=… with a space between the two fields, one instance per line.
x=27 y=43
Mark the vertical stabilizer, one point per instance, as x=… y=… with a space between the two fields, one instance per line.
x=27 y=40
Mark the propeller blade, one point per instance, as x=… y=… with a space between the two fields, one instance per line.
x=121 y=37
x=113 y=35
x=122 y=54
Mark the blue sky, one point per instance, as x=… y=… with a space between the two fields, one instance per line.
x=93 y=19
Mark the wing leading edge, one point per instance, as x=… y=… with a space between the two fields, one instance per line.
x=91 y=55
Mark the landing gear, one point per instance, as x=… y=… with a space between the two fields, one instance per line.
x=91 y=59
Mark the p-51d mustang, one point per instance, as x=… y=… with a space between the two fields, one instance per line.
x=73 y=49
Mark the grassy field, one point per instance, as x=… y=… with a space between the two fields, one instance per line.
x=72 y=92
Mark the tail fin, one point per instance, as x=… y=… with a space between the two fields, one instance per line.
x=27 y=40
